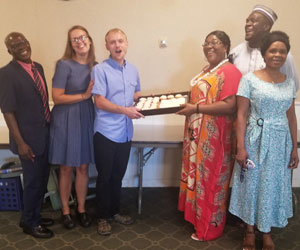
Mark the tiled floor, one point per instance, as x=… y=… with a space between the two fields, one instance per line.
x=159 y=227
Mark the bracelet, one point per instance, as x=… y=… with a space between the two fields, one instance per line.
x=197 y=108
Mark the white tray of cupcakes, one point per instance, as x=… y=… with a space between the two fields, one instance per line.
x=162 y=103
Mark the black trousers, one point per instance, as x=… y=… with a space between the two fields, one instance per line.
x=111 y=162
x=35 y=175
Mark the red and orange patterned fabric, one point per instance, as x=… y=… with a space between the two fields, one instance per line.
x=208 y=156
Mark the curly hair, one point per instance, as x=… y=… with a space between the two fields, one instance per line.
x=224 y=38
x=272 y=37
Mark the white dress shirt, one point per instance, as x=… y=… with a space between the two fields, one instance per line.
x=248 y=59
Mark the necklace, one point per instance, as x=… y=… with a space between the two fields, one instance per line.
x=198 y=77
x=270 y=77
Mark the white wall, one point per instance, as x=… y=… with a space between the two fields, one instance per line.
x=184 y=23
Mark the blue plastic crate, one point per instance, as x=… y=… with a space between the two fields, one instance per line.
x=11 y=194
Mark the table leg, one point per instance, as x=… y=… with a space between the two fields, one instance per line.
x=140 y=164
x=142 y=160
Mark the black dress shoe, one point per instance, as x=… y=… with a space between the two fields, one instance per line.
x=46 y=222
x=67 y=221
x=38 y=232
x=84 y=219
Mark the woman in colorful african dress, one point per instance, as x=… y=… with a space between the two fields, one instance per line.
x=207 y=146
x=267 y=135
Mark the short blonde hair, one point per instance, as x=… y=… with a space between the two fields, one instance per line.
x=115 y=30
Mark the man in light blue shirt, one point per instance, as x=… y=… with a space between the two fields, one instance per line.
x=116 y=86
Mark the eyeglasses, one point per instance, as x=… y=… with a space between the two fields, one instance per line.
x=213 y=43
x=80 y=38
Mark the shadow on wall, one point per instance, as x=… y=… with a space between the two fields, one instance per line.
x=190 y=53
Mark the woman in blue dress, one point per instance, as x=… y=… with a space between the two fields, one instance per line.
x=71 y=128
x=266 y=135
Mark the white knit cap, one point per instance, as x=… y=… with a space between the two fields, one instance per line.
x=266 y=11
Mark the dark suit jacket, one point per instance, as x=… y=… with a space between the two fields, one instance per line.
x=19 y=94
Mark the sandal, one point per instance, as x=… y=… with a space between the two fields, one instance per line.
x=104 y=228
x=268 y=243
x=249 y=240
x=195 y=237
x=123 y=219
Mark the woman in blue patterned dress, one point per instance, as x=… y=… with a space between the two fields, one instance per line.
x=71 y=128
x=266 y=135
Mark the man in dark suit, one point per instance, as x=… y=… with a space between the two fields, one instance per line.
x=24 y=104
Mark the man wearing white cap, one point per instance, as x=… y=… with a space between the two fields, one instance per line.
x=246 y=56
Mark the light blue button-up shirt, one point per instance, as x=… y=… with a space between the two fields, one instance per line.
x=118 y=85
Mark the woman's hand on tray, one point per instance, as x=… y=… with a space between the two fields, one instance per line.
x=187 y=109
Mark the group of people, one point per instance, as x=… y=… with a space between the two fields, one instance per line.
x=77 y=132
x=241 y=103
x=245 y=124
